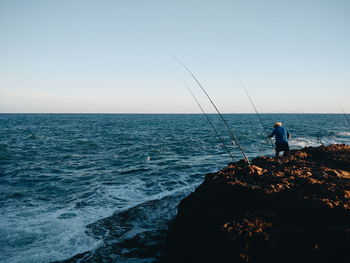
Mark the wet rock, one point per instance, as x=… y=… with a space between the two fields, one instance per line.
x=293 y=210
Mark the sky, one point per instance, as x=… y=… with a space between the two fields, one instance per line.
x=116 y=56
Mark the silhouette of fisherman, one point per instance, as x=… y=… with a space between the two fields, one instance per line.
x=281 y=135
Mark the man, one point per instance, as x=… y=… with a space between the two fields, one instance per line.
x=281 y=135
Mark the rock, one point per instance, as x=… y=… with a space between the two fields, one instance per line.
x=297 y=210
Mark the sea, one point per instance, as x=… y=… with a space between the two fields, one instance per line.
x=104 y=187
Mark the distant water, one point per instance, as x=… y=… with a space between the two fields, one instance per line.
x=62 y=176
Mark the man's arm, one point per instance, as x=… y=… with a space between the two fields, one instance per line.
x=272 y=133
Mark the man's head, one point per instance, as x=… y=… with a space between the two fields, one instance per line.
x=277 y=124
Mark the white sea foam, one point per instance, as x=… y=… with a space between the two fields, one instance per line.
x=119 y=156
x=301 y=142
x=43 y=237
x=44 y=234
x=344 y=133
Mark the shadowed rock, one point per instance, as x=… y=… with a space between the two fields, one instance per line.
x=295 y=210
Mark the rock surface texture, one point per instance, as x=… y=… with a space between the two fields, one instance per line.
x=295 y=210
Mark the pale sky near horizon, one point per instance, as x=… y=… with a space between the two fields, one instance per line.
x=115 y=56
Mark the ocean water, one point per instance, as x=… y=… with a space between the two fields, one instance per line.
x=102 y=184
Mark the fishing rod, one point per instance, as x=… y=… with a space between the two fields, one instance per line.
x=211 y=124
x=256 y=111
x=222 y=118
x=313 y=129
x=346 y=117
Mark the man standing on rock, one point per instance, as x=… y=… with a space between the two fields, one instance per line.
x=281 y=135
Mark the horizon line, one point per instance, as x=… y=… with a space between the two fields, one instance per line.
x=169 y=113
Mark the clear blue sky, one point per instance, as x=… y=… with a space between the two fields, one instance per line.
x=114 y=56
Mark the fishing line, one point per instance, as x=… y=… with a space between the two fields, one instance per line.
x=256 y=111
x=346 y=117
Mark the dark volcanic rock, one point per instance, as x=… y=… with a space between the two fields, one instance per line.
x=296 y=210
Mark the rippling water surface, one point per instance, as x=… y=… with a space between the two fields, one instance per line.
x=73 y=183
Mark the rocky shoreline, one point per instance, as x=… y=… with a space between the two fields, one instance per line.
x=295 y=210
